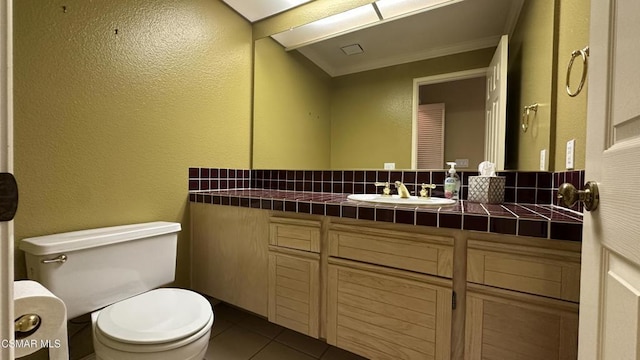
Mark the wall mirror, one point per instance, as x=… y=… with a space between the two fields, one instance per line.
x=347 y=101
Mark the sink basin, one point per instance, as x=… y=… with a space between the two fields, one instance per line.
x=397 y=200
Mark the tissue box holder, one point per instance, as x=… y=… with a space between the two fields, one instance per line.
x=486 y=189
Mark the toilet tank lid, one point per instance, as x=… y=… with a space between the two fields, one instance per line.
x=85 y=239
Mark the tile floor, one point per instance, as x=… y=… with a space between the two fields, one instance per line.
x=238 y=335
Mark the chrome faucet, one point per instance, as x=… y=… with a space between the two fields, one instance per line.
x=402 y=190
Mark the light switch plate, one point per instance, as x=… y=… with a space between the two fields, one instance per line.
x=462 y=163
x=389 y=166
x=544 y=165
x=571 y=145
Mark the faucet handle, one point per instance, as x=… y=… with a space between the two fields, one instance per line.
x=426 y=193
x=387 y=190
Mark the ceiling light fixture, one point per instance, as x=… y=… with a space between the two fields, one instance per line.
x=360 y=17
x=326 y=27
x=258 y=10
x=395 y=8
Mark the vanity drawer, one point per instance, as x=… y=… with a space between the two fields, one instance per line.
x=527 y=270
x=407 y=251
x=295 y=234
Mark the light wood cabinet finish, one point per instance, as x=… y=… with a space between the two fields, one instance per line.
x=383 y=313
x=541 y=271
x=295 y=234
x=384 y=291
x=294 y=290
x=507 y=325
x=229 y=254
x=428 y=254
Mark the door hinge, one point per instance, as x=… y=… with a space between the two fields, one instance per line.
x=8 y=197
x=453 y=301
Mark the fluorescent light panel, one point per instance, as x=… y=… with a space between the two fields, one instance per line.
x=257 y=10
x=327 y=27
x=393 y=8
x=353 y=19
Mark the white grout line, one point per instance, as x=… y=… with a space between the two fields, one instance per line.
x=535 y=212
x=577 y=213
x=488 y=218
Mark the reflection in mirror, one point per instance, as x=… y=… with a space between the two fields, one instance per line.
x=308 y=117
x=464 y=137
x=304 y=119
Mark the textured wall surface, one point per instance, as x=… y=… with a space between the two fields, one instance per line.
x=571 y=115
x=530 y=81
x=292 y=123
x=371 y=111
x=114 y=100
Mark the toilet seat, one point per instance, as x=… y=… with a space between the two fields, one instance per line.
x=164 y=317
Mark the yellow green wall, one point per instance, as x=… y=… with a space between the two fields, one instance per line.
x=371 y=111
x=571 y=115
x=530 y=81
x=106 y=124
x=538 y=59
x=292 y=124
x=304 y=119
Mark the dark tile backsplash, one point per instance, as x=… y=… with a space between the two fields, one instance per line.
x=528 y=187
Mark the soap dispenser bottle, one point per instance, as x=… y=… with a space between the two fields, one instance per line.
x=452 y=183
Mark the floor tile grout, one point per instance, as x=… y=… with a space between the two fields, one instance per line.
x=262 y=348
x=298 y=350
x=237 y=319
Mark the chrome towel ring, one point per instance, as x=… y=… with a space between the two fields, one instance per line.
x=584 y=53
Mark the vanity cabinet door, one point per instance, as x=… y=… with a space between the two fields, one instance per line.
x=382 y=313
x=508 y=325
x=294 y=290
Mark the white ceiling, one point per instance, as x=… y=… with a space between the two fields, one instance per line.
x=462 y=26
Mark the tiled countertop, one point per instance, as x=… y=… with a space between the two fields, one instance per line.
x=544 y=221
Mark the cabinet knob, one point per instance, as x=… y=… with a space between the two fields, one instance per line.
x=589 y=196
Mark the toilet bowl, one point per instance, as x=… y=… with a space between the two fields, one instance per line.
x=162 y=324
x=115 y=273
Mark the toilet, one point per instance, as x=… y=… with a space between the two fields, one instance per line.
x=115 y=273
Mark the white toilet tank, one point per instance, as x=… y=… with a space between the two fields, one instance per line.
x=91 y=269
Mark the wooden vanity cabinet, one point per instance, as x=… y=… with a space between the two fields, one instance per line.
x=383 y=301
x=229 y=254
x=294 y=274
x=385 y=291
x=521 y=300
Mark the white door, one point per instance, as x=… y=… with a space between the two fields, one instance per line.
x=610 y=279
x=496 y=105
x=6 y=165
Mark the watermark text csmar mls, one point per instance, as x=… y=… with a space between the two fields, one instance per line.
x=30 y=343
